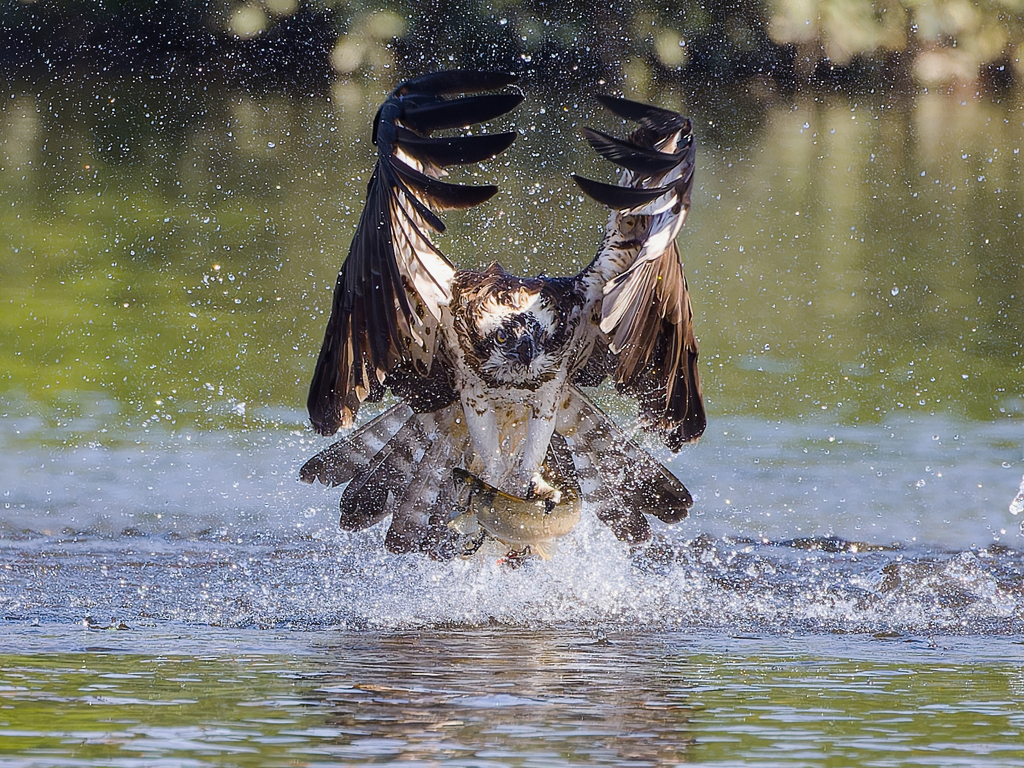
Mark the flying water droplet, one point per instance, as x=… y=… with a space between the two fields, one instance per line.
x=1017 y=505
x=895 y=291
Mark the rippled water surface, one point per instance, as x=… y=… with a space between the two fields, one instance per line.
x=505 y=696
x=848 y=591
x=865 y=532
x=185 y=602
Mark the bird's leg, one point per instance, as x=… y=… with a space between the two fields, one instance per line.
x=538 y=435
x=483 y=433
x=472 y=544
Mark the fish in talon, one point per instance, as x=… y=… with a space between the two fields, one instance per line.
x=518 y=522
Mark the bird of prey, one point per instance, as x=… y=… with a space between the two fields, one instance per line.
x=488 y=368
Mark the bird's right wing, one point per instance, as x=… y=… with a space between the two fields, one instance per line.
x=394 y=281
x=646 y=319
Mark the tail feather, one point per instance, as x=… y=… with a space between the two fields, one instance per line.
x=620 y=479
x=365 y=500
x=399 y=464
x=343 y=460
x=561 y=468
x=419 y=521
x=628 y=524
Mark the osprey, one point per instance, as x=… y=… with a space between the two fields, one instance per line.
x=487 y=366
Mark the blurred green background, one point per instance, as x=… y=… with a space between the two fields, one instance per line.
x=179 y=182
x=304 y=43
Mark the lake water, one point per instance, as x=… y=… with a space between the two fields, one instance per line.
x=849 y=589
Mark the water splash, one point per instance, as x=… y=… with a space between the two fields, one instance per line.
x=214 y=529
x=326 y=579
x=1017 y=505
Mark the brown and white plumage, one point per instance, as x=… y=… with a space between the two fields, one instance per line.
x=645 y=312
x=389 y=294
x=489 y=365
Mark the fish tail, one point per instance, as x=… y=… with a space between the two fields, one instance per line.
x=544 y=549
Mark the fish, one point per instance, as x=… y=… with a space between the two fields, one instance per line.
x=526 y=526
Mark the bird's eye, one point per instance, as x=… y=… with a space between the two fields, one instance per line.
x=501 y=337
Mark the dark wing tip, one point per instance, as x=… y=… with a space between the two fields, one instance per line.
x=454 y=150
x=688 y=431
x=442 y=194
x=328 y=409
x=682 y=419
x=459 y=113
x=617 y=197
x=638 y=111
x=321 y=401
x=631 y=156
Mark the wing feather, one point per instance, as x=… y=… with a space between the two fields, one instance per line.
x=645 y=114
x=459 y=113
x=646 y=315
x=618 y=197
x=454 y=150
x=440 y=194
x=391 y=287
x=629 y=155
x=454 y=81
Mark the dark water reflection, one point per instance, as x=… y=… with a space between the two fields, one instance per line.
x=506 y=697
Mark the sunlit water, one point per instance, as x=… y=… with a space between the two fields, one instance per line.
x=176 y=599
x=897 y=528
x=849 y=589
x=506 y=696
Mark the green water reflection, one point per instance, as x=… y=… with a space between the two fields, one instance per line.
x=169 y=248
x=514 y=698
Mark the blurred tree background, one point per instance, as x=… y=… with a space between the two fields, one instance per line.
x=784 y=45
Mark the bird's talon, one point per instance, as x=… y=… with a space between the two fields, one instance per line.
x=540 y=489
x=515 y=558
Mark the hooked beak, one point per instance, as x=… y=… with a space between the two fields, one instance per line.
x=525 y=350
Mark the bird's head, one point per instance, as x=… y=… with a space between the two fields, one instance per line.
x=513 y=346
x=512 y=326
x=515 y=339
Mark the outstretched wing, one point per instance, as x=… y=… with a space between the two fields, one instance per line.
x=646 y=316
x=394 y=281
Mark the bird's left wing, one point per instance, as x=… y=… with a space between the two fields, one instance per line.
x=394 y=281
x=646 y=318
